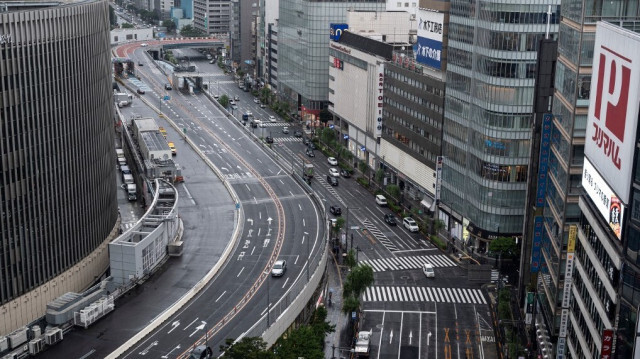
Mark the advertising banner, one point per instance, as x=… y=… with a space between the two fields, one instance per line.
x=613 y=112
x=429 y=46
x=538 y=226
x=379 y=102
x=336 y=31
x=543 y=167
x=608 y=204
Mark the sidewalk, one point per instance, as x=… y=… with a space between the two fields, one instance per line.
x=340 y=338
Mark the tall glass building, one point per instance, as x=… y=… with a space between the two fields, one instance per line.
x=488 y=112
x=566 y=158
x=58 y=199
x=303 y=47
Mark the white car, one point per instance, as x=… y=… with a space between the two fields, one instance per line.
x=410 y=224
x=332 y=161
x=334 y=172
x=428 y=271
x=279 y=267
x=144 y=44
x=231 y=102
x=272 y=118
x=249 y=113
x=256 y=100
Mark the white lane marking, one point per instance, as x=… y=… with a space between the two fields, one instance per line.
x=285 y=283
x=296 y=261
x=240 y=271
x=223 y=293
x=187 y=327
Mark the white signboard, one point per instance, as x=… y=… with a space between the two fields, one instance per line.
x=608 y=204
x=613 y=112
x=568 y=279
x=379 y=102
x=428 y=49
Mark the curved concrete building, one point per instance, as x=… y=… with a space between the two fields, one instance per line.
x=58 y=199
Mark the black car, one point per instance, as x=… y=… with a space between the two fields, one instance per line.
x=335 y=210
x=312 y=146
x=167 y=86
x=305 y=140
x=269 y=139
x=310 y=153
x=141 y=91
x=332 y=180
x=140 y=64
x=390 y=219
x=345 y=173
x=297 y=134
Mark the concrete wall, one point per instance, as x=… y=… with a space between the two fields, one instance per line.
x=120 y=36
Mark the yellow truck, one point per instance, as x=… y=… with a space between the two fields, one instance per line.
x=172 y=146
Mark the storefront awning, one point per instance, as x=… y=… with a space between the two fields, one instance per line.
x=428 y=203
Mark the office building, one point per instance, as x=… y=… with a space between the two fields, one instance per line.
x=563 y=207
x=59 y=207
x=303 y=48
x=267 y=44
x=212 y=16
x=242 y=33
x=488 y=114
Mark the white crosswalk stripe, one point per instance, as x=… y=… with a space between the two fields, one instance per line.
x=379 y=236
x=412 y=262
x=287 y=139
x=241 y=175
x=275 y=124
x=423 y=294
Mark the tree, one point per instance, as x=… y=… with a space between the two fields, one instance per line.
x=379 y=175
x=325 y=116
x=301 y=343
x=170 y=25
x=190 y=31
x=360 y=277
x=224 y=101
x=113 y=19
x=363 y=167
x=350 y=304
x=126 y=25
x=437 y=225
x=394 y=191
x=247 y=348
x=350 y=259
x=504 y=245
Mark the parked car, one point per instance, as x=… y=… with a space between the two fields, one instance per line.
x=305 y=140
x=381 y=200
x=312 y=145
x=332 y=180
x=279 y=268
x=390 y=219
x=345 y=173
x=410 y=224
x=272 y=118
x=268 y=139
x=262 y=105
x=334 y=172
x=335 y=210
x=310 y=153
x=332 y=161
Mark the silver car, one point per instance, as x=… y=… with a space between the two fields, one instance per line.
x=279 y=267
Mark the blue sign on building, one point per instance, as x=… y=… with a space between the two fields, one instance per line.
x=537 y=243
x=336 y=31
x=543 y=164
x=428 y=52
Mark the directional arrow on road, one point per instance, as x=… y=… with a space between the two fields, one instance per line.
x=199 y=327
x=268 y=232
x=250 y=231
x=224 y=168
x=269 y=220
x=174 y=325
x=266 y=242
x=250 y=221
x=238 y=167
x=410 y=336
x=390 y=336
x=428 y=337
x=167 y=355
x=146 y=350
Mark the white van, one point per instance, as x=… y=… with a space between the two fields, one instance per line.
x=381 y=200
x=428 y=271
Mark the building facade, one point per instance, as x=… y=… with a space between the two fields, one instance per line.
x=563 y=207
x=242 y=33
x=492 y=53
x=212 y=16
x=303 y=48
x=58 y=185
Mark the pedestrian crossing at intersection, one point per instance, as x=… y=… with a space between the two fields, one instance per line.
x=379 y=235
x=287 y=139
x=411 y=262
x=423 y=294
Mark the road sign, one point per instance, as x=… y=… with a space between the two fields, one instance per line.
x=355 y=227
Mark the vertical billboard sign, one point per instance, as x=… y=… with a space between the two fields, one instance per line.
x=336 y=31
x=607 y=344
x=613 y=113
x=538 y=224
x=543 y=163
x=439 y=162
x=608 y=204
x=429 y=47
x=379 y=101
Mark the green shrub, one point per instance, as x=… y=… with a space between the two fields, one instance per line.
x=363 y=182
x=439 y=242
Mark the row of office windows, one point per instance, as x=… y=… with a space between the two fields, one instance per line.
x=422 y=86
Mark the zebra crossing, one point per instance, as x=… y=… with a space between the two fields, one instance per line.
x=409 y=262
x=379 y=236
x=423 y=294
x=287 y=139
x=126 y=226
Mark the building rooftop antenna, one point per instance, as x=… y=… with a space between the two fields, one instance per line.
x=546 y=36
